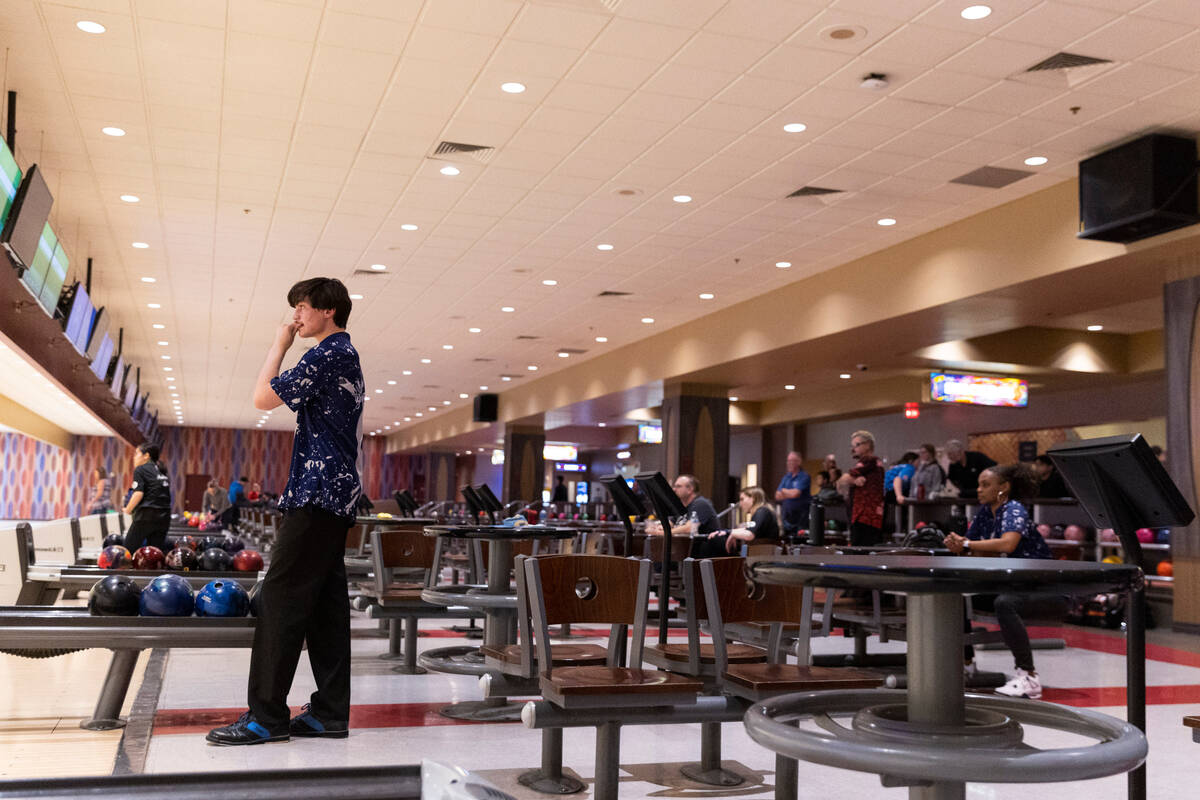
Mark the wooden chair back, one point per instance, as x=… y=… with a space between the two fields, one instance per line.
x=681 y=548
x=588 y=590
x=400 y=548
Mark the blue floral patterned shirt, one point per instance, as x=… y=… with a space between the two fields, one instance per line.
x=1012 y=517
x=326 y=391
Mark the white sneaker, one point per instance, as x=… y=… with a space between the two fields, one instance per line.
x=969 y=672
x=1022 y=684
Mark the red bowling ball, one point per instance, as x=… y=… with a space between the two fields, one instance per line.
x=247 y=561
x=148 y=558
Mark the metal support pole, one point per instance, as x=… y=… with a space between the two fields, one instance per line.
x=10 y=133
x=709 y=771
x=787 y=778
x=548 y=779
x=608 y=760
x=107 y=715
x=1135 y=680
x=409 y=667
x=935 y=675
x=394 y=633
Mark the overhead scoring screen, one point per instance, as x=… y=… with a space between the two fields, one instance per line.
x=980 y=390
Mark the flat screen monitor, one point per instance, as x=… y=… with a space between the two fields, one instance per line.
x=139 y=406
x=131 y=388
x=623 y=497
x=34 y=276
x=488 y=498
x=99 y=330
x=79 y=321
x=118 y=378
x=649 y=434
x=474 y=504
x=1122 y=485
x=23 y=228
x=103 y=359
x=56 y=275
x=667 y=504
x=10 y=178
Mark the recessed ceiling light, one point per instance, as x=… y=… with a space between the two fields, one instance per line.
x=406 y=372
x=433 y=408
x=506 y=377
x=163 y=344
x=483 y=388
x=170 y=379
x=418 y=414
x=601 y=424
x=153 y=305
x=391 y=383
x=532 y=368
x=733 y=399
x=682 y=198
x=379 y=391
x=174 y=394
x=707 y=295
x=158 y=326
x=783 y=264
x=549 y=282
x=449 y=170
x=168 y=369
x=379 y=267
x=507 y=309
x=149 y=280
x=130 y=198
x=648 y=320
x=845 y=376
x=356 y=297
x=463 y=395
x=795 y=127
x=87 y=26
x=112 y=130
x=886 y=222
x=474 y=330
x=1095 y=327
x=408 y=226
x=604 y=247
x=408 y=419
x=564 y=355
x=601 y=339
x=447 y=347
x=512 y=87
x=790 y=387
x=976 y=12
x=445 y=402
x=387 y=427
x=1036 y=161
x=140 y=245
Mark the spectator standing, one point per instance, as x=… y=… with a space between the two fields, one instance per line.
x=794 y=496
x=1050 y=481
x=928 y=476
x=864 y=483
x=100 y=499
x=965 y=466
x=559 y=495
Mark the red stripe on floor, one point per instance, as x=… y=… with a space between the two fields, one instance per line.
x=1088 y=697
x=382 y=715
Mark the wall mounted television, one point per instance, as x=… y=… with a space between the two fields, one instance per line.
x=22 y=229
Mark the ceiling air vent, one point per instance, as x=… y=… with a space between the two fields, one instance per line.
x=511 y=377
x=992 y=177
x=526 y=337
x=611 y=293
x=365 y=272
x=1067 y=61
x=482 y=359
x=583 y=5
x=813 y=191
x=455 y=151
x=571 y=351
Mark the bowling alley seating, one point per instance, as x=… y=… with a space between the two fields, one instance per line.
x=1193 y=722
x=730 y=598
x=595 y=590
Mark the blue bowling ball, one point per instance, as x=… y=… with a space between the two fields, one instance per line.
x=232 y=545
x=167 y=596
x=222 y=598
x=1162 y=536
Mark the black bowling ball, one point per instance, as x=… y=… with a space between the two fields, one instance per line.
x=114 y=596
x=255 y=602
x=113 y=538
x=232 y=544
x=182 y=559
x=215 y=559
x=210 y=542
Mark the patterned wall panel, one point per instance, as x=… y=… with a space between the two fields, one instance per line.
x=1004 y=446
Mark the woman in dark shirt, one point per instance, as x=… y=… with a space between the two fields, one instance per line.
x=150 y=501
x=1003 y=526
x=761 y=527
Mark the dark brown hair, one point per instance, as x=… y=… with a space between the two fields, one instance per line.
x=1022 y=483
x=323 y=294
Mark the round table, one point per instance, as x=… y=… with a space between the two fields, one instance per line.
x=497 y=604
x=933 y=738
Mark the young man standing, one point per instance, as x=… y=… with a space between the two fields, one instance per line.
x=304 y=597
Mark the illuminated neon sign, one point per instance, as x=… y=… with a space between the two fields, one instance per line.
x=560 y=452
x=980 y=390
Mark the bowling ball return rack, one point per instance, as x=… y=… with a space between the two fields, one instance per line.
x=40 y=629
x=52 y=577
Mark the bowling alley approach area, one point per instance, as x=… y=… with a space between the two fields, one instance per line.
x=607 y=399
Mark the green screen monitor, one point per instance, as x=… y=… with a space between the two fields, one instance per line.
x=56 y=275
x=10 y=178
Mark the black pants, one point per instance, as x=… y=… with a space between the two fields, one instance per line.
x=149 y=527
x=864 y=535
x=303 y=597
x=1009 y=608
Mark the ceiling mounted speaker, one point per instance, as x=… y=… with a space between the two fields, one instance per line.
x=487 y=407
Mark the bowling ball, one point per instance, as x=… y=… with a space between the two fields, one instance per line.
x=167 y=596
x=1044 y=530
x=232 y=544
x=214 y=559
x=149 y=557
x=1113 y=560
x=193 y=522
x=1074 y=533
x=209 y=542
x=182 y=559
x=113 y=538
x=1162 y=536
x=255 y=602
x=222 y=598
x=1164 y=569
x=114 y=557
x=190 y=542
x=114 y=596
x=1108 y=535
x=247 y=561
x=1145 y=535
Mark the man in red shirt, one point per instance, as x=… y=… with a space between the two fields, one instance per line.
x=864 y=482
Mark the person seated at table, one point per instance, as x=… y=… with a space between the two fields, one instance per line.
x=762 y=526
x=701 y=517
x=1003 y=526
